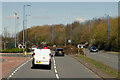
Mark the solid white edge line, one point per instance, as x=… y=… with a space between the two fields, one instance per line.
x=17 y=69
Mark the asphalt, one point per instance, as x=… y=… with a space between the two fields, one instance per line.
x=62 y=67
x=108 y=59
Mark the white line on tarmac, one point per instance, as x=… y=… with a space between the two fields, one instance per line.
x=57 y=76
x=18 y=69
x=56 y=73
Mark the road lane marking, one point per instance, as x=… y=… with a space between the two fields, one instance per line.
x=55 y=67
x=56 y=73
x=18 y=69
x=57 y=76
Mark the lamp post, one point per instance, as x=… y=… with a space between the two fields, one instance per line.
x=52 y=34
x=26 y=31
x=24 y=24
x=108 y=29
x=71 y=34
x=15 y=28
x=89 y=32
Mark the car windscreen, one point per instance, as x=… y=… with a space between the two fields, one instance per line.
x=59 y=50
x=93 y=48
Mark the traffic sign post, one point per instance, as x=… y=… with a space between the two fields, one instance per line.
x=78 y=46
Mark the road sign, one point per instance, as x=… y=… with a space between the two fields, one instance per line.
x=78 y=46
x=69 y=41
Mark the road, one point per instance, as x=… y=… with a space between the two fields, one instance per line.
x=62 y=67
x=108 y=59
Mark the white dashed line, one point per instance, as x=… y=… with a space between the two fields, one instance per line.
x=17 y=69
x=55 y=71
x=55 y=67
x=56 y=74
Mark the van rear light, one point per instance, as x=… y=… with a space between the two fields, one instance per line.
x=49 y=55
x=33 y=58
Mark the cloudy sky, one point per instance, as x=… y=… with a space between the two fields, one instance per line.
x=42 y=13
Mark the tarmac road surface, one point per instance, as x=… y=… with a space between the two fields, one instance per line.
x=62 y=67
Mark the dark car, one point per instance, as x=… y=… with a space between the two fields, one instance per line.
x=59 y=52
x=45 y=47
x=93 y=49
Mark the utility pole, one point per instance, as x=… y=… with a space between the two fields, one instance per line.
x=35 y=36
x=89 y=32
x=26 y=31
x=108 y=31
x=65 y=41
x=15 y=28
x=24 y=25
x=71 y=34
x=52 y=34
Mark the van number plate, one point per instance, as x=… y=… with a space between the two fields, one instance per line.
x=38 y=62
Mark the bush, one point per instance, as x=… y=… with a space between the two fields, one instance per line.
x=13 y=50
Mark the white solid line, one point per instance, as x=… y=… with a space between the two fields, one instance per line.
x=57 y=76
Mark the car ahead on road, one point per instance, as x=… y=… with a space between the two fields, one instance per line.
x=93 y=49
x=42 y=57
x=59 y=52
x=45 y=47
x=33 y=48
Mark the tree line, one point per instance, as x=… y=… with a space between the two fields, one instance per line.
x=60 y=34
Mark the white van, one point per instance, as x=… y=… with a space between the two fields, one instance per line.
x=42 y=57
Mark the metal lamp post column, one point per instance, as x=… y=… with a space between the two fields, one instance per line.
x=71 y=35
x=89 y=32
x=23 y=26
x=15 y=28
x=108 y=31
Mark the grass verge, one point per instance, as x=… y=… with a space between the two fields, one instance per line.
x=101 y=66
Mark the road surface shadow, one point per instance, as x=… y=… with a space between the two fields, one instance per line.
x=44 y=67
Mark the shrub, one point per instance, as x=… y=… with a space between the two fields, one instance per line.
x=13 y=50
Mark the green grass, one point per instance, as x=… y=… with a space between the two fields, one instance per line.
x=101 y=66
x=118 y=52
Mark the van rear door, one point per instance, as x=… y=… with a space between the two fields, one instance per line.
x=42 y=56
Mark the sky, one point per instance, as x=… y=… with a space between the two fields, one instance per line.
x=42 y=13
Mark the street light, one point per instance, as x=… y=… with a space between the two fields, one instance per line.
x=26 y=30
x=71 y=34
x=15 y=28
x=108 y=29
x=23 y=24
x=89 y=32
